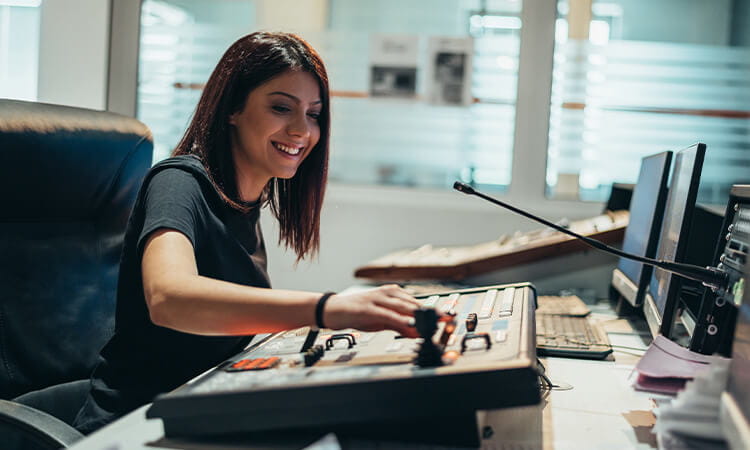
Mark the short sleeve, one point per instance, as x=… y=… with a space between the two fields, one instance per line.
x=173 y=199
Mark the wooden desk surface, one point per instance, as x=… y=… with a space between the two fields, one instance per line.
x=601 y=411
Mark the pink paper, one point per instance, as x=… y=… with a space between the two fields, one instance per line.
x=666 y=359
x=660 y=385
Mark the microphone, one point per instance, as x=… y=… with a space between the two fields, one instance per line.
x=709 y=276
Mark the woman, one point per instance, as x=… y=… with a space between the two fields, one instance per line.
x=193 y=287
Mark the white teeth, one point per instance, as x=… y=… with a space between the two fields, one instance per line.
x=285 y=149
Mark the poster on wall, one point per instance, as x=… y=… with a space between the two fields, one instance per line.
x=393 y=65
x=449 y=67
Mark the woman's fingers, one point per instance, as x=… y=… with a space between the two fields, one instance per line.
x=396 y=304
x=397 y=322
x=397 y=291
x=385 y=307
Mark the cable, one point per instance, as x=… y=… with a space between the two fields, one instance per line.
x=544 y=381
x=589 y=344
x=709 y=276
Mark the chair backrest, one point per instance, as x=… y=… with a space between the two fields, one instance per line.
x=68 y=180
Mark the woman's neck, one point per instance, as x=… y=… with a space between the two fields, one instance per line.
x=248 y=189
x=250 y=185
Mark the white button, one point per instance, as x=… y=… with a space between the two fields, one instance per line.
x=487 y=304
x=507 y=301
x=430 y=302
x=394 y=347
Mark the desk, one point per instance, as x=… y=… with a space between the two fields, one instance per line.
x=601 y=411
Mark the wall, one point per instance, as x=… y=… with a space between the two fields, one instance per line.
x=74 y=52
x=310 y=15
x=123 y=57
x=688 y=21
x=741 y=23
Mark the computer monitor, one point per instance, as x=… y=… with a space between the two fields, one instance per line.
x=619 y=197
x=661 y=297
x=734 y=414
x=630 y=278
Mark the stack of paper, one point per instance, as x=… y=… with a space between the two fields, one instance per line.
x=666 y=367
x=695 y=411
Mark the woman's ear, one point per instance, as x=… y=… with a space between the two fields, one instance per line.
x=233 y=119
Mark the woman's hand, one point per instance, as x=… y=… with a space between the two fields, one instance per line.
x=386 y=307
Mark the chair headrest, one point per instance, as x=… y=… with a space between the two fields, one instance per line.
x=65 y=163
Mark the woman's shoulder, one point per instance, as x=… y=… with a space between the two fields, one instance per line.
x=180 y=167
x=185 y=163
x=180 y=173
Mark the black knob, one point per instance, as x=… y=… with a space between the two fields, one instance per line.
x=313 y=355
x=429 y=354
x=471 y=322
x=426 y=322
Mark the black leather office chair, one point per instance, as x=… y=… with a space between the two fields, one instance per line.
x=68 y=180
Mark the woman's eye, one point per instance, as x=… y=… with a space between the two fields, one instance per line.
x=281 y=108
x=315 y=115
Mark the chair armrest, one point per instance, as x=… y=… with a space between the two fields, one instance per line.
x=38 y=426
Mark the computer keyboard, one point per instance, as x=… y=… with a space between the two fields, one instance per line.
x=577 y=337
x=567 y=305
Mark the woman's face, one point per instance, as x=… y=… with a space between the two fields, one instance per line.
x=277 y=128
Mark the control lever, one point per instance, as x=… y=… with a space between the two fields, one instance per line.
x=429 y=354
x=313 y=355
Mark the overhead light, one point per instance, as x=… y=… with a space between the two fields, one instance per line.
x=25 y=3
x=495 y=21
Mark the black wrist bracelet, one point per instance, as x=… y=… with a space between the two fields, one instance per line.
x=319 y=309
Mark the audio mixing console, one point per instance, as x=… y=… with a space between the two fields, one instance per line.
x=479 y=355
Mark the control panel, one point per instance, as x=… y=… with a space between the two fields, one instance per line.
x=476 y=351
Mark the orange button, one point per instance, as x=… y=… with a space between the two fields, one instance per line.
x=268 y=363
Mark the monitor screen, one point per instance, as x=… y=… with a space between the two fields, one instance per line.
x=663 y=290
x=642 y=233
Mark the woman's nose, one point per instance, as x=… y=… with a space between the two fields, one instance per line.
x=299 y=125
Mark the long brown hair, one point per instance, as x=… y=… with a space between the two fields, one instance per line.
x=248 y=63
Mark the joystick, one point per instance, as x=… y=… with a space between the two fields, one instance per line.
x=429 y=354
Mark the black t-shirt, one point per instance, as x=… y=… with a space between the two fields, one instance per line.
x=142 y=359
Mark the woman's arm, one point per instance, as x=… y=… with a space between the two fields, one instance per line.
x=178 y=298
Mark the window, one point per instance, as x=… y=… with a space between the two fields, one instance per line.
x=388 y=127
x=181 y=42
x=627 y=82
x=19 y=49
x=425 y=144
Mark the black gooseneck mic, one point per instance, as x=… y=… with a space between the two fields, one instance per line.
x=709 y=276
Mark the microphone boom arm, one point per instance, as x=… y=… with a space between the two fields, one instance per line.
x=710 y=276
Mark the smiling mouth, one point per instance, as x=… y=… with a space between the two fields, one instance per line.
x=287 y=149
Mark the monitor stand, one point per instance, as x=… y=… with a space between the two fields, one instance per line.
x=625 y=292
